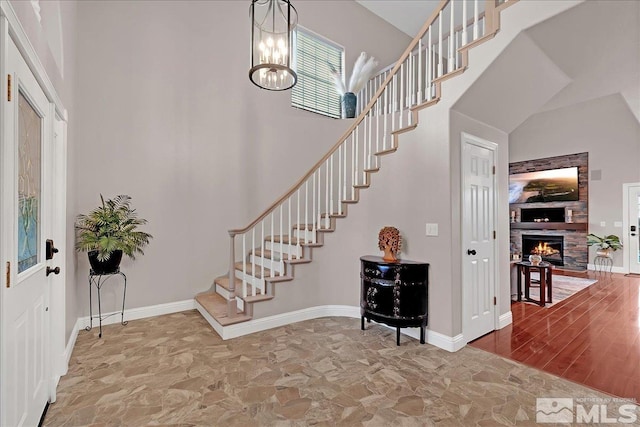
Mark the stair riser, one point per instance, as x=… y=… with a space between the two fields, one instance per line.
x=259 y=284
x=225 y=294
x=286 y=248
x=259 y=261
x=306 y=235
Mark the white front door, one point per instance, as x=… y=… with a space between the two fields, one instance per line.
x=632 y=224
x=25 y=225
x=478 y=236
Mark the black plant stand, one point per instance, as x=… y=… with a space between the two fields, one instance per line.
x=98 y=280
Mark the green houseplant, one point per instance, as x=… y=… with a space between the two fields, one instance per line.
x=108 y=231
x=605 y=245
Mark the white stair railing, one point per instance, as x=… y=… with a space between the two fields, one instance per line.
x=281 y=232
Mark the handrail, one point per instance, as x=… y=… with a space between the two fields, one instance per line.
x=434 y=15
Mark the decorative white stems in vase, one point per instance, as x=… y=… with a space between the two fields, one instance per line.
x=363 y=70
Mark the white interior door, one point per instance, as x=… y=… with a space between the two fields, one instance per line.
x=478 y=237
x=26 y=212
x=632 y=224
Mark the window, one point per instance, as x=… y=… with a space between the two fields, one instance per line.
x=315 y=90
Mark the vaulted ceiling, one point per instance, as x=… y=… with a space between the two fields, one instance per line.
x=590 y=51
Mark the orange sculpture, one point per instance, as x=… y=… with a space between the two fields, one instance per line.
x=390 y=242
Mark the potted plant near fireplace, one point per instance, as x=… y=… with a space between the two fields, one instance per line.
x=605 y=245
x=108 y=231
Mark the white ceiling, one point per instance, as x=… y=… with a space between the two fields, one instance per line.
x=406 y=15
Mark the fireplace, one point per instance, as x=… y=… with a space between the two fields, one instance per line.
x=551 y=248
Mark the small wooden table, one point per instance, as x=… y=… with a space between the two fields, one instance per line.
x=525 y=267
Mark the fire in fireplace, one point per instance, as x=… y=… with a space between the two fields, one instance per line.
x=550 y=248
x=544 y=249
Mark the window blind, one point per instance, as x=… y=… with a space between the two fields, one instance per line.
x=315 y=90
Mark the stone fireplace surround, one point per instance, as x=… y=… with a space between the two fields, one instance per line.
x=576 y=252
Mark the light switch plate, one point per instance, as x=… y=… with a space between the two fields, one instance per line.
x=603 y=224
x=617 y=224
x=432 y=229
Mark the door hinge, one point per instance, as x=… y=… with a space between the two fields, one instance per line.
x=494 y=234
x=9 y=87
x=494 y=170
x=495 y=301
x=8 y=274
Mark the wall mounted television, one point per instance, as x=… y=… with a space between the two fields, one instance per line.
x=553 y=185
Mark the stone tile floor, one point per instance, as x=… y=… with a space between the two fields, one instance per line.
x=174 y=370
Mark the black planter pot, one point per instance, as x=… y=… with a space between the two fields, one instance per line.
x=109 y=266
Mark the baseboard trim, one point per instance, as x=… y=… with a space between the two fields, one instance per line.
x=445 y=342
x=275 y=321
x=442 y=341
x=70 y=345
x=141 y=313
x=614 y=269
x=505 y=319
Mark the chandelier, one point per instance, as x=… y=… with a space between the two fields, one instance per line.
x=272 y=56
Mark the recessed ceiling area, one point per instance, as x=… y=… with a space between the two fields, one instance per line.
x=588 y=52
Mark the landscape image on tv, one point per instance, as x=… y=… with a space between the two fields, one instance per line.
x=554 y=185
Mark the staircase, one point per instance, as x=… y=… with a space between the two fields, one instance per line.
x=266 y=251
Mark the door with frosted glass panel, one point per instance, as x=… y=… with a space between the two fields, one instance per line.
x=26 y=209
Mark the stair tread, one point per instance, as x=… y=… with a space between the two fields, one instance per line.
x=294 y=260
x=404 y=129
x=249 y=299
x=309 y=227
x=258 y=273
x=266 y=253
x=334 y=215
x=386 y=151
x=292 y=241
x=223 y=281
x=278 y=279
x=216 y=306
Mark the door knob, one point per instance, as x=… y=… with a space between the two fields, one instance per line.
x=471 y=251
x=53 y=270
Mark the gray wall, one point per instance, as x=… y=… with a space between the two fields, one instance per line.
x=167 y=114
x=54 y=39
x=609 y=132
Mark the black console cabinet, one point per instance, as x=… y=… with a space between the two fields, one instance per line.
x=394 y=293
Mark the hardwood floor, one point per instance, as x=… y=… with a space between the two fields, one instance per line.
x=592 y=338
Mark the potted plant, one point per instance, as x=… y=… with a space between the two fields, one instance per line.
x=363 y=70
x=605 y=245
x=108 y=231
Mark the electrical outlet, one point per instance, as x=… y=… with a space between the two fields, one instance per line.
x=432 y=229
x=603 y=224
x=617 y=224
